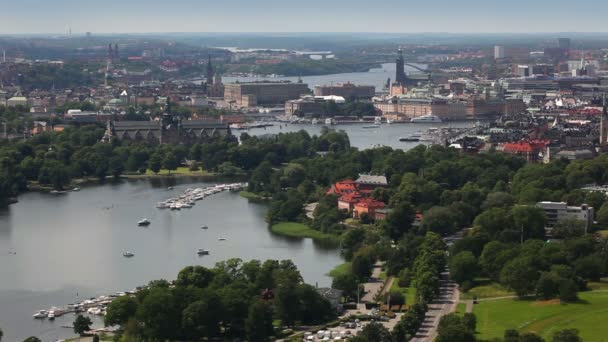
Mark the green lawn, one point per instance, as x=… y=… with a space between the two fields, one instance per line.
x=461 y=309
x=294 y=229
x=340 y=270
x=408 y=292
x=253 y=197
x=545 y=318
x=487 y=290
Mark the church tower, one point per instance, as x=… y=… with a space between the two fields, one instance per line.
x=604 y=125
x=210 y=72
x=400 y=69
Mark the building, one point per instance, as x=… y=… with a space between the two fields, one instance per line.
x=311 y=106
x=564 y=43
x=556 y=211
x=369 y=183
x=169 y=130
x=367 y=206
x=346 y=90
x=333 y=296
x=530 y=150
x=499 y=52
x=414 y=107
x=263 y=93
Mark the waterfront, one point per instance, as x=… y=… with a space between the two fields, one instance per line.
x=376 y=77
x=69 y=247
x=362 y=138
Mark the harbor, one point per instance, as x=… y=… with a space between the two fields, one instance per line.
x=189 y=198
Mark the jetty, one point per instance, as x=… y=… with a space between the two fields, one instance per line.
x=189 y=198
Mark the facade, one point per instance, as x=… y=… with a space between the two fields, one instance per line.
x=556 y=211
x=263 y=93
x=167 y=131
x=415 y=107
x=346 y=90
x=304 y=106
x=499 y=52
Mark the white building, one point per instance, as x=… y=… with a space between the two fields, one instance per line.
x=556 y=211
x=499 y=52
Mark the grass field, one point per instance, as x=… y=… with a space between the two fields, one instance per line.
x=253 y=197
x=408 y=292
x=545 y=317
x=461 y=309
x=300 y=230
x=487 y=290
x=340 y=270
x=180 y=171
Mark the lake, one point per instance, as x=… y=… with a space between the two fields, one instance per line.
x=69 y=247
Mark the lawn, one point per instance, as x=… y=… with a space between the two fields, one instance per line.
x=408 y=292
x=487 y=290
x=253 y=197
x=340 y=270
x=603 y=233
x=300 y=230
x=545 y=318
x=461 y=309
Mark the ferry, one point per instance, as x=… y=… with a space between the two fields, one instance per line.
x=371 y=126
x=222 y=239
x=202 y=251
x=412 y=138
x=204 y=227
x=429 y=118
x=128 y=254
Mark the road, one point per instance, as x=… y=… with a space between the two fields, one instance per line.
x=373 y=286
x=445 y=303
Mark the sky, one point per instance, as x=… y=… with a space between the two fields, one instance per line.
x=399 y=16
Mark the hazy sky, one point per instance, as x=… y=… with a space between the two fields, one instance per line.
x=108 y=16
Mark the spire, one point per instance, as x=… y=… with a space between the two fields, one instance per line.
x=209 y=70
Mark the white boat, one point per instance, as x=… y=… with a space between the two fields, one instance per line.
x=202 y=251
x=429 y=118
x=371 y=126
x=315 y=121
x=128 y=254
x=378 y=120
x=330 y=121
x=51 y=315
x=76 y=189
x=41 y=314
x=143 y=222
x=222 y=239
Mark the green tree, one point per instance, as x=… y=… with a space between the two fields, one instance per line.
x=375 y=332
x=530 y=221
x=567 y=335
x=347 y=283
x=569 y=227
x=440 y=220
x=548 y=285
x=32 y=339
x=470 y=321
x=511 y=335
x=170 y=162
x=155 y=163
x=520 y=276
x=451 y=328
x=120 y=311
x=259 y=322
x=81 y=325
x=158 y=314
x=463 y=267
x=399 y=221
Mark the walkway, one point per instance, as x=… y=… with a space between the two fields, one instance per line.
x=374 y=285
x=445 y=303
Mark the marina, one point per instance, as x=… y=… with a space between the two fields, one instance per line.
x=190 y=196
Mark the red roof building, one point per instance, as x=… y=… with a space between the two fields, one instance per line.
x=530 y=150
x=369 y=206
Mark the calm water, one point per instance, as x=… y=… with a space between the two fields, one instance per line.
x=363 y=138
x=376 y=77
x=69 y=247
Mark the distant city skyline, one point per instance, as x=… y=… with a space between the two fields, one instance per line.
x=389 y=16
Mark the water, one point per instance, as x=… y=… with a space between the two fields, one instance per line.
x=69 y=247
x=362 y=138
x=376 y=77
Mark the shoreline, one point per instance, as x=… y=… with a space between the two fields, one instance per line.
x=300 y=230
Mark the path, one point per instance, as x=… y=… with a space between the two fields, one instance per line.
x=374 y=285
x=445 y=303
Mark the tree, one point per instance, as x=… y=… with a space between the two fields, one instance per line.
x=258 y=324
x=170 y=162
x=32 y=339
x=155 y=163
x=568 y=290
x=453 y=329
x=158 y=314
x=519 y=275
x=548 y=285
x=1 y=334
x=498 y=200
x=470 y=321
x=399 y=221
x=529 y=221
x=602 y=215
x=567 y=335
x=117 y=167
x=530 y=337
x=346 y=282
x=511 y=335
x=569 y=227
x=463 y=267
x=120 y=310
x=81 y=325
x=375 y=332
x=197 y=276
x=589 y=267
x=440 y=220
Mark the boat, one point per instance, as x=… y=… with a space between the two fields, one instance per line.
x=143 y=222
x=413 y=137
x=330 y=121
x=76 y=189
x=371 y=126
x=429 y=118
x=51 y=315
x=128 y=254
x=377 y=120
x=41 y=314
x=204 y=227
x=202 y=251
x=222 y=239
x=315 y=121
